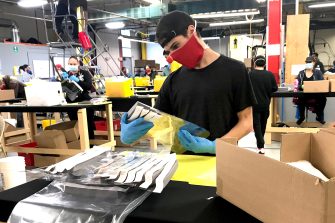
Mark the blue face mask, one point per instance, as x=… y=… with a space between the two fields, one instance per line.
x=73 y=68
x=309 y=66
x=29 y=72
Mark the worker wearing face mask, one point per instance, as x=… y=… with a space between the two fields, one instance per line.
x=317 y=101
x=210 y=90
x=84 y=79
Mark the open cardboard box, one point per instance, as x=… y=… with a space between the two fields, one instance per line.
x=70 y=130
x=274 y=191
x=316 y=86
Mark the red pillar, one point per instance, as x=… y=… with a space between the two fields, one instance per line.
x=273 y=48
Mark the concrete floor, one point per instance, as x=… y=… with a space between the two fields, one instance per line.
x=249 y=142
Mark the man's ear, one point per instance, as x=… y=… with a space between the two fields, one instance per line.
x=190 y=30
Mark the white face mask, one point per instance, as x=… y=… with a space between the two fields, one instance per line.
x=309 y=66
x=73 y=68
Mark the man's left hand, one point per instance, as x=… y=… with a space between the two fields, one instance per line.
x=196 y=144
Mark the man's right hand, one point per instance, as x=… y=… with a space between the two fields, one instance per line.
x=130 y=132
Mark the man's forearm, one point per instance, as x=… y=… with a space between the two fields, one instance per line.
x=241 y=129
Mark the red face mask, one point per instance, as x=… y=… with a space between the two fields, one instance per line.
x=188 y=55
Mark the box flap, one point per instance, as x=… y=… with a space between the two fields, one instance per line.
x=268 y=189
x=295 y=147
x=323 y=152
x=62 y=126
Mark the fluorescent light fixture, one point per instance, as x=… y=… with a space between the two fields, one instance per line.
x=210 y=38
x=322 y=5
x=261 y=1
x=32 y=3
x=234 y=13
x=152 y=1
x=115 y=25
x=134 y=40
x=236 y=23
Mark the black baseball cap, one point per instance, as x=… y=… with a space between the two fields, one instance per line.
x=309 y=59
x=171 y=25
x=260 y=61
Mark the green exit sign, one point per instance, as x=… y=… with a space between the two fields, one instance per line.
x=15 y=49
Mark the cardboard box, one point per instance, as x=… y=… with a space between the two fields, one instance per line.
x=70 y=130
x=316 y=86
x=274 y=191
x=51 y=139
x=7 y=95
x=332 y=85
x=74 y=145
x=47 y=160
x=248 y=62
x=328 y=77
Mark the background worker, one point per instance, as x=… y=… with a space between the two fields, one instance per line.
x=210 y=90
x=25 y=71
x=317 y=63
x=84 y=79
x=318 y=101
x=6 y=83
x=264 y=84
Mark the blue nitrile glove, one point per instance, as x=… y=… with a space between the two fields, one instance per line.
x=74 y=78
x=192 y=128
x=130 y=132
x=195 y=144
x=65 y=75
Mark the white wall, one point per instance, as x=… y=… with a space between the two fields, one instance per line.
x=155 y=52
x=326 y=52
x=243 y=41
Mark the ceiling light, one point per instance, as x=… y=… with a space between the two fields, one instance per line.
x=152 y=1
x=115 y=25
x=31 y=3
x=210 y=38
x=134 y=40
x=236 y=23
x=234 y=13
x=322 y=5
x=261 y=1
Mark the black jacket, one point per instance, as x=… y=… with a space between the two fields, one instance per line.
x=85 y=82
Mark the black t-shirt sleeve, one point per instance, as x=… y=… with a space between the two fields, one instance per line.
x=273 y=83
x=163 y=102
x=243 y=93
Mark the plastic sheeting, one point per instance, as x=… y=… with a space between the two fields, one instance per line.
x=68 y=203
x=84 y=194
x=165 y=128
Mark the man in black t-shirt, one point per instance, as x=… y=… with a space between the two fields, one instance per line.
x=264 y=83
x=210 y=90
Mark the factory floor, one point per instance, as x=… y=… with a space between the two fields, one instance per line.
x=249 y=142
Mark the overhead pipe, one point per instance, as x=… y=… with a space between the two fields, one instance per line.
x=7 y=23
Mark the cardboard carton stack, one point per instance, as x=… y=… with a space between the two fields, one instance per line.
x=274 y=191
x=64 y=135
x=316 y=86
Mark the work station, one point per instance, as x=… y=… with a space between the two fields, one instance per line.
x=167 y=111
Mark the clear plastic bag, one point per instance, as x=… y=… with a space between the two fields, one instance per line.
x=68 y=202
x=165 y=128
